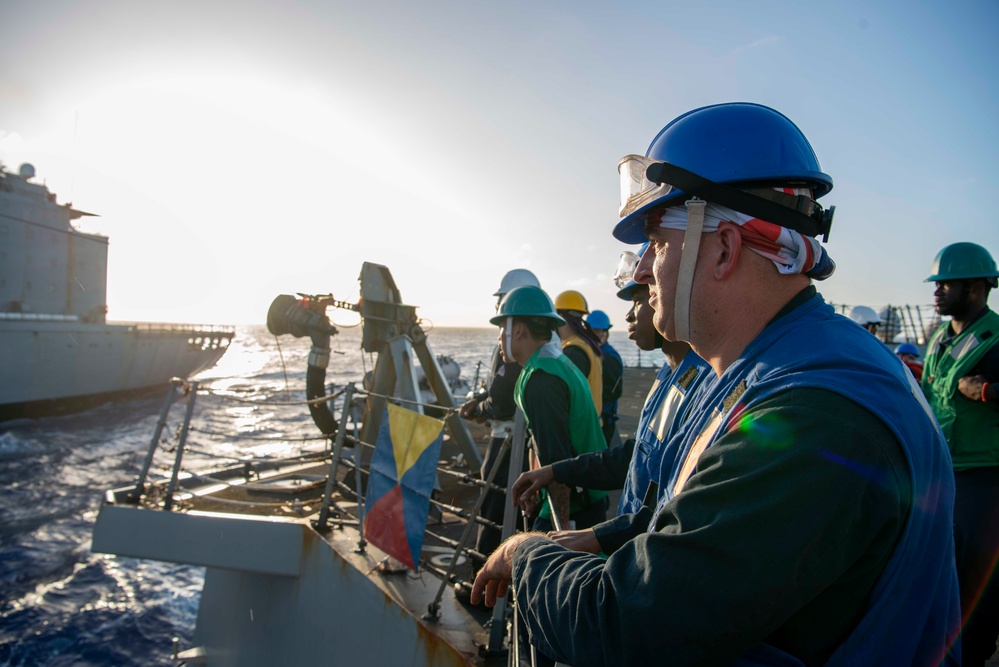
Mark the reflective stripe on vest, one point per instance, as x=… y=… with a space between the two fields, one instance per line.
x=596 y=376
x=971 y=427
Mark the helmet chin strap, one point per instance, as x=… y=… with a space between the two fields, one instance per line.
x=688 y=261
x=508 y=334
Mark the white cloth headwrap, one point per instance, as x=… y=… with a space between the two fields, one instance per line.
x=790 y=251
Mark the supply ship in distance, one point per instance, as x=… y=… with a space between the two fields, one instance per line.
x=58 y=352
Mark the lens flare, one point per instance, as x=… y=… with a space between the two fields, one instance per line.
x=767 y=430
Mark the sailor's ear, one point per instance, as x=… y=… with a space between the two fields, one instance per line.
x=727 y=251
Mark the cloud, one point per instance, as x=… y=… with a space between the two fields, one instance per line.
x=763 y=41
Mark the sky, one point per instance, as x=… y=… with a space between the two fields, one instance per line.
x=240 y=150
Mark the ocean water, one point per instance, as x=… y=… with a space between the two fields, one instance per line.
x=61 y=604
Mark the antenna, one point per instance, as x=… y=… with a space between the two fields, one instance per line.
x=72 y=169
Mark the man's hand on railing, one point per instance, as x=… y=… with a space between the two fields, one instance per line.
x=524 y=492
x=493 y=579
x=470 y=409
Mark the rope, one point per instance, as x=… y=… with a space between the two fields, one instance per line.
x=447 y=541
x=324 y=399
x=447 y=411
x=251 y=436
x=284 y=369
x=465 y=477
x=229 y=397
x=355 y=441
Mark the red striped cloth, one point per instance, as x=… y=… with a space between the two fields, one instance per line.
x=790 y=251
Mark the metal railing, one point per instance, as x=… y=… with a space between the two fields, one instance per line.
x=167 y=495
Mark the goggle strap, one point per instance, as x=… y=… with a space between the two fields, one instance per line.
x=688 y=261
x=807 y=218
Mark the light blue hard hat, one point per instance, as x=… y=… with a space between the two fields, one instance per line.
x=907 y=348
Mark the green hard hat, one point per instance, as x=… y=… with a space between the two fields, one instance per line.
x=961 y=261
x=527 y=301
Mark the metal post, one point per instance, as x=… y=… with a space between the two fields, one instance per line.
x=140 y=485
x=556 y=522
x=324 y=513
x=518 y=449
x=406 y=385
x=435 y=379
x=434 y=607
x=383 y=384
x=362 y=543
x=921 y=339
x=912 y=323
x=191 y=398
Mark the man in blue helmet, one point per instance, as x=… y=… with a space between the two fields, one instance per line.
x=807 y=517
x=555 y=399
x=635 y=466
x=612 y=373
x=962 y=367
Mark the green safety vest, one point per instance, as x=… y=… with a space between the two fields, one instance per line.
x=971 y=427
x=584 y=424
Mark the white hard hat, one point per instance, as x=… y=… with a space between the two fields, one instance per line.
x=864 y=315
x=516 y=278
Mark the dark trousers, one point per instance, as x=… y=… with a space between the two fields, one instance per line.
x=607 y=426
x=976 y=540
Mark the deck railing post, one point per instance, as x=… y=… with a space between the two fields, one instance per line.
x=361 y=542
x=518 y=447
x=324 y=513
x=140 y=485
x=433 y=609
x=181 y=442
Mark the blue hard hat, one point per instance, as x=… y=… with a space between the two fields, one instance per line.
x=907 y=348
x=626 y=293
x=734 y=143
x=598 y=319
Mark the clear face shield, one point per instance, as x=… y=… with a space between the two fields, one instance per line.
x=626 y=266
x=636 y=189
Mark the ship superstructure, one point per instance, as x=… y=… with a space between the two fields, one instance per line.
x=58 y=352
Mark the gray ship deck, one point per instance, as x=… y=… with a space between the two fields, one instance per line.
x=282 y=588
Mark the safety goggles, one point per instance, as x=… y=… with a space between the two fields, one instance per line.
x=626 y=266
x=636 y=188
